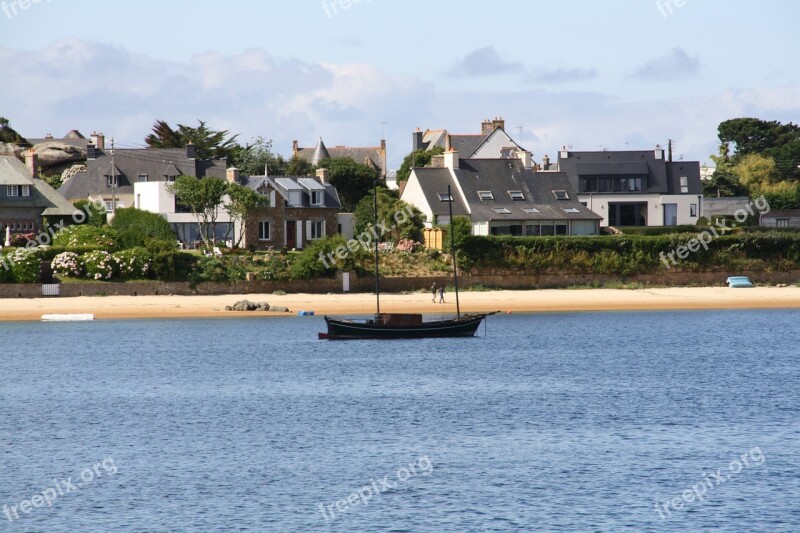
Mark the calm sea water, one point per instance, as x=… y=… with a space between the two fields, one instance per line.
x=558 y=422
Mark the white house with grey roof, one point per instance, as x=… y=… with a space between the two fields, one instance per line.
x=491 y=143
x=500 y=197
x=25 y=200
x=635 y=188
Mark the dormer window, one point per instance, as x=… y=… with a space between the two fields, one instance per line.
x=26 y=190
x=142 y=178
x=516 y=195
x=561 y=195
x=316 y=197
x=112 y=181
x=485 y=195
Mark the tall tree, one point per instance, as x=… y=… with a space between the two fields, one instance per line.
x=210 y=144
x=253 y=159
x=403 y=220
x=204 y=196
x=298 y=166
x=416 y=159
x=772 y=139
x=242 y=201
x=9 y=135
x=352 y=180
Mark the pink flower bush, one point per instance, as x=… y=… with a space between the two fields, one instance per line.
x=99 y=265
x=67 y=264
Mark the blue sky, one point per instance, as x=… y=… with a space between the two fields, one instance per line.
x=592 y=74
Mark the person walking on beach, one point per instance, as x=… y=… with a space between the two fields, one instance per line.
x=441 y=294
x=433 y=292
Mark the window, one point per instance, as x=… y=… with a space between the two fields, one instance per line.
x=26 y=190
x=444 y=197
x=506 y=228
x=670 y=214
x=141 y=178
x=170 y=178
x=264 y=233
x=561 y=195
x=112 y=181
x=570 y=210
x=485 y=195
x=501 y=211
x=111 y=205
x=12 y=190
x=516 y=195
x=782 y=222
x=316 y=197
x=530 y=210
x=684 y=184
x=692 y=210
x=317 y=229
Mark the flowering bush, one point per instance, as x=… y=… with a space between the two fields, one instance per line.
x=409 y=246
x=26 y=265
x=134 y=263
x=86 y=235
x=21 y=239
x=99 y=265
x=67 y=264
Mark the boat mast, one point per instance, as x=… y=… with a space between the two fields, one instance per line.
x=453 y=249
x=377 y=240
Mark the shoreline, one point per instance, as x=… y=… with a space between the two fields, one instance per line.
x=525 y=301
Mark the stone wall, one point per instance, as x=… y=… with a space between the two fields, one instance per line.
x=391 y=285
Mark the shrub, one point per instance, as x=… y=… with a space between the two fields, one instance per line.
x=96 y=215
x=27 y=265
x=408 y=246
x=276 y=267
x=134 y=263
x=135 y=227
x=87 y=235
x=174 y=266
x=67 y=264
x=209 y=269
x=99 y=265
x=22 y=239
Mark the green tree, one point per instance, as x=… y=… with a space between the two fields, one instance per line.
x=95 y=215
x=298 y=166
x=136 y=227
x=204 y=197
x=9 y=135
x=417 y=159
x=352 y=180
x=772 y=139
x=252 y=160
x=755 y=172
x=242 y=201
x=403 y=220
x=210 y=144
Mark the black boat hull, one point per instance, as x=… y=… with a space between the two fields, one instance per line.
x=466 y=326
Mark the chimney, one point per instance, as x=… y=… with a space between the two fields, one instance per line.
x=526 y=157
x=546 y=162
x=451 y=159
x=447 y=145
x=416 y=140
x=322 y=174
x=295 y=147
x=232 y=174
x=563 y=153
x=91 y=151
x=191 y=151
x=486 y=127
x=498 y=124
x=659 y=152
x=383 y=145
x=32 y=162
x=437 y=161
x=99 y=140
x=48 y=137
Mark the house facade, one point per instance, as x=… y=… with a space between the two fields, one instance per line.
x=372 y=156
x=26 y=201
x=500 y=197
x=491 y=143
x=635 y=188
x=301 y=210
x=785 y=219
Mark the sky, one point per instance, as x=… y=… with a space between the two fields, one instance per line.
x=587 y=74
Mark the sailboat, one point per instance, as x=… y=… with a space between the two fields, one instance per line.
x=406 y=325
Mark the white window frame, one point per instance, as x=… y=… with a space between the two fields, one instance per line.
x=485 y=196
x=692 y=210
x=684 y=185
x=12 y=191
x=781 y=222
x=142 y=178
x=265 y=235
x=517 y=195
x=112 y=181
x=316 y=229
x=444 y=197
x=561 y=195
x=317 y=197
x=26 y=191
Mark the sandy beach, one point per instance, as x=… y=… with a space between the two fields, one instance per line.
x=131 y=307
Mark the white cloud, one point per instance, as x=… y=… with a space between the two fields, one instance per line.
x=484 y=62
x=674 y=66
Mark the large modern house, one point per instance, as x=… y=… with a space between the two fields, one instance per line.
x=116 y=183
x=301 y=209
x=26 y=201
x=499 y=196
x=635 y=188
x=372 y=156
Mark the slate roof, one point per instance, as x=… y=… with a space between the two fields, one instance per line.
x=662 y=177
x=466 y=145
x=157 y=163
x=369 y=155
x=14 y=172
x=283 y=184
x=434 y=181
x=73 y=138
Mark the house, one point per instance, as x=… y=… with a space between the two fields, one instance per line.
x=115 y=184
x=499 y=196
x=26 y=201
x=492 y=143
x=301 y=209
x=635 y=188
x=372 y=156
x=786 y=219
